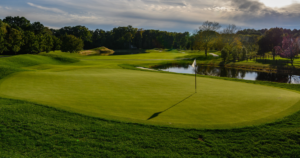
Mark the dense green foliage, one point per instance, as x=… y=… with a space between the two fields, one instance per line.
x=71 y=44
x=269 y=40
x=21 y=37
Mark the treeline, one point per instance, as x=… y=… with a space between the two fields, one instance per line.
x=236 y=44
x=18 y=35
x=127 y=38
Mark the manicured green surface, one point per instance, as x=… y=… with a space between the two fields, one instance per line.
x=33 y=130
x=103 y=89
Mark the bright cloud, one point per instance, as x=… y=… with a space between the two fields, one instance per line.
x=279 y=3
x=48 y=9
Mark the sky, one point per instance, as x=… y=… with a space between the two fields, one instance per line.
x=167 y=15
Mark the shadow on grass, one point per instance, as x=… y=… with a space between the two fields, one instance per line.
x=198 y=57
x=129 y=51
x=274 y=63
x=158 y=113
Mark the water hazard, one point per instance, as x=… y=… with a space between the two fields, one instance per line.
x=292 y=77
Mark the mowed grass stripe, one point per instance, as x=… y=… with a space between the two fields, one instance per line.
x=136 y=96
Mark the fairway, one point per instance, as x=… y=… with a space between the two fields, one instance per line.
x=150 y=97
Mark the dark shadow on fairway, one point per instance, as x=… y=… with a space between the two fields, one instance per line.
x=158 y=113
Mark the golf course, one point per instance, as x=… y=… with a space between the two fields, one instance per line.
x=85 y=95
x=101 y=88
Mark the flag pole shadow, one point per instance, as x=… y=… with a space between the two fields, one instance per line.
x=158 y=113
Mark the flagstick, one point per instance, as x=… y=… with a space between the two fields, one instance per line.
x=195 y=80
x=194 y=65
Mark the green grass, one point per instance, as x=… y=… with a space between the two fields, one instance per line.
x=9 y=65
x=32 y=130
x=102 y=88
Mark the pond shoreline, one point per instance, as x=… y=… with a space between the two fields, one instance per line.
x=272 y=75
x=273 y=69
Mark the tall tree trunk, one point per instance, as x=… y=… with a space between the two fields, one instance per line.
x=206 y=52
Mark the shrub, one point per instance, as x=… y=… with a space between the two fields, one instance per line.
x=71 y=44
x=224 y=54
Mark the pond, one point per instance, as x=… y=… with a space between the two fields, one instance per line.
x=292 y=77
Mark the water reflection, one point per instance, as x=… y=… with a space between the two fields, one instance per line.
x=292 y=77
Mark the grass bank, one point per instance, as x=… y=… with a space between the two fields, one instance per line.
x=9 y=65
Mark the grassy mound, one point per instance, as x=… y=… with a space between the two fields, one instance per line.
x=9 y=65
x=98 y=51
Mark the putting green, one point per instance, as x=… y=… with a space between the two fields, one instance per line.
x=151 y=97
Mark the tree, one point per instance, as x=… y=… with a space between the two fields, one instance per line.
x=224 y=54
x=42 y=42
x=207 y=33
x=3 y=32
x=37 y=28
x=18 y=22
x=269 y=40
x=250 y=42
x=71 y=44
x=14 y=40
x=30 y=42
x=289 y=49
x=244 y=53
x=56 y=43
x=48 y=43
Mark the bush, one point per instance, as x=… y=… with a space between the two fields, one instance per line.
x=71 y=44
x=224 y=54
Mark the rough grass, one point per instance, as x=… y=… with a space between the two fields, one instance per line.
x=32 y=130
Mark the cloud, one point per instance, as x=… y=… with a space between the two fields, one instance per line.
x=254 y=13
x=48 y=9
x=170 y=15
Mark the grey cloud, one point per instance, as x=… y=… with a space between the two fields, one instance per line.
x=248 y=5
x=166 y=2
x=256 y=14
x=160 y=18
x=180 y=15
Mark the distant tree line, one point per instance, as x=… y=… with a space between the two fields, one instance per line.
x=236 y=44
x=127 y=38
x=19 y=36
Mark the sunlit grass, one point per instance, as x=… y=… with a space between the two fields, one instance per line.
x=34 y=130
